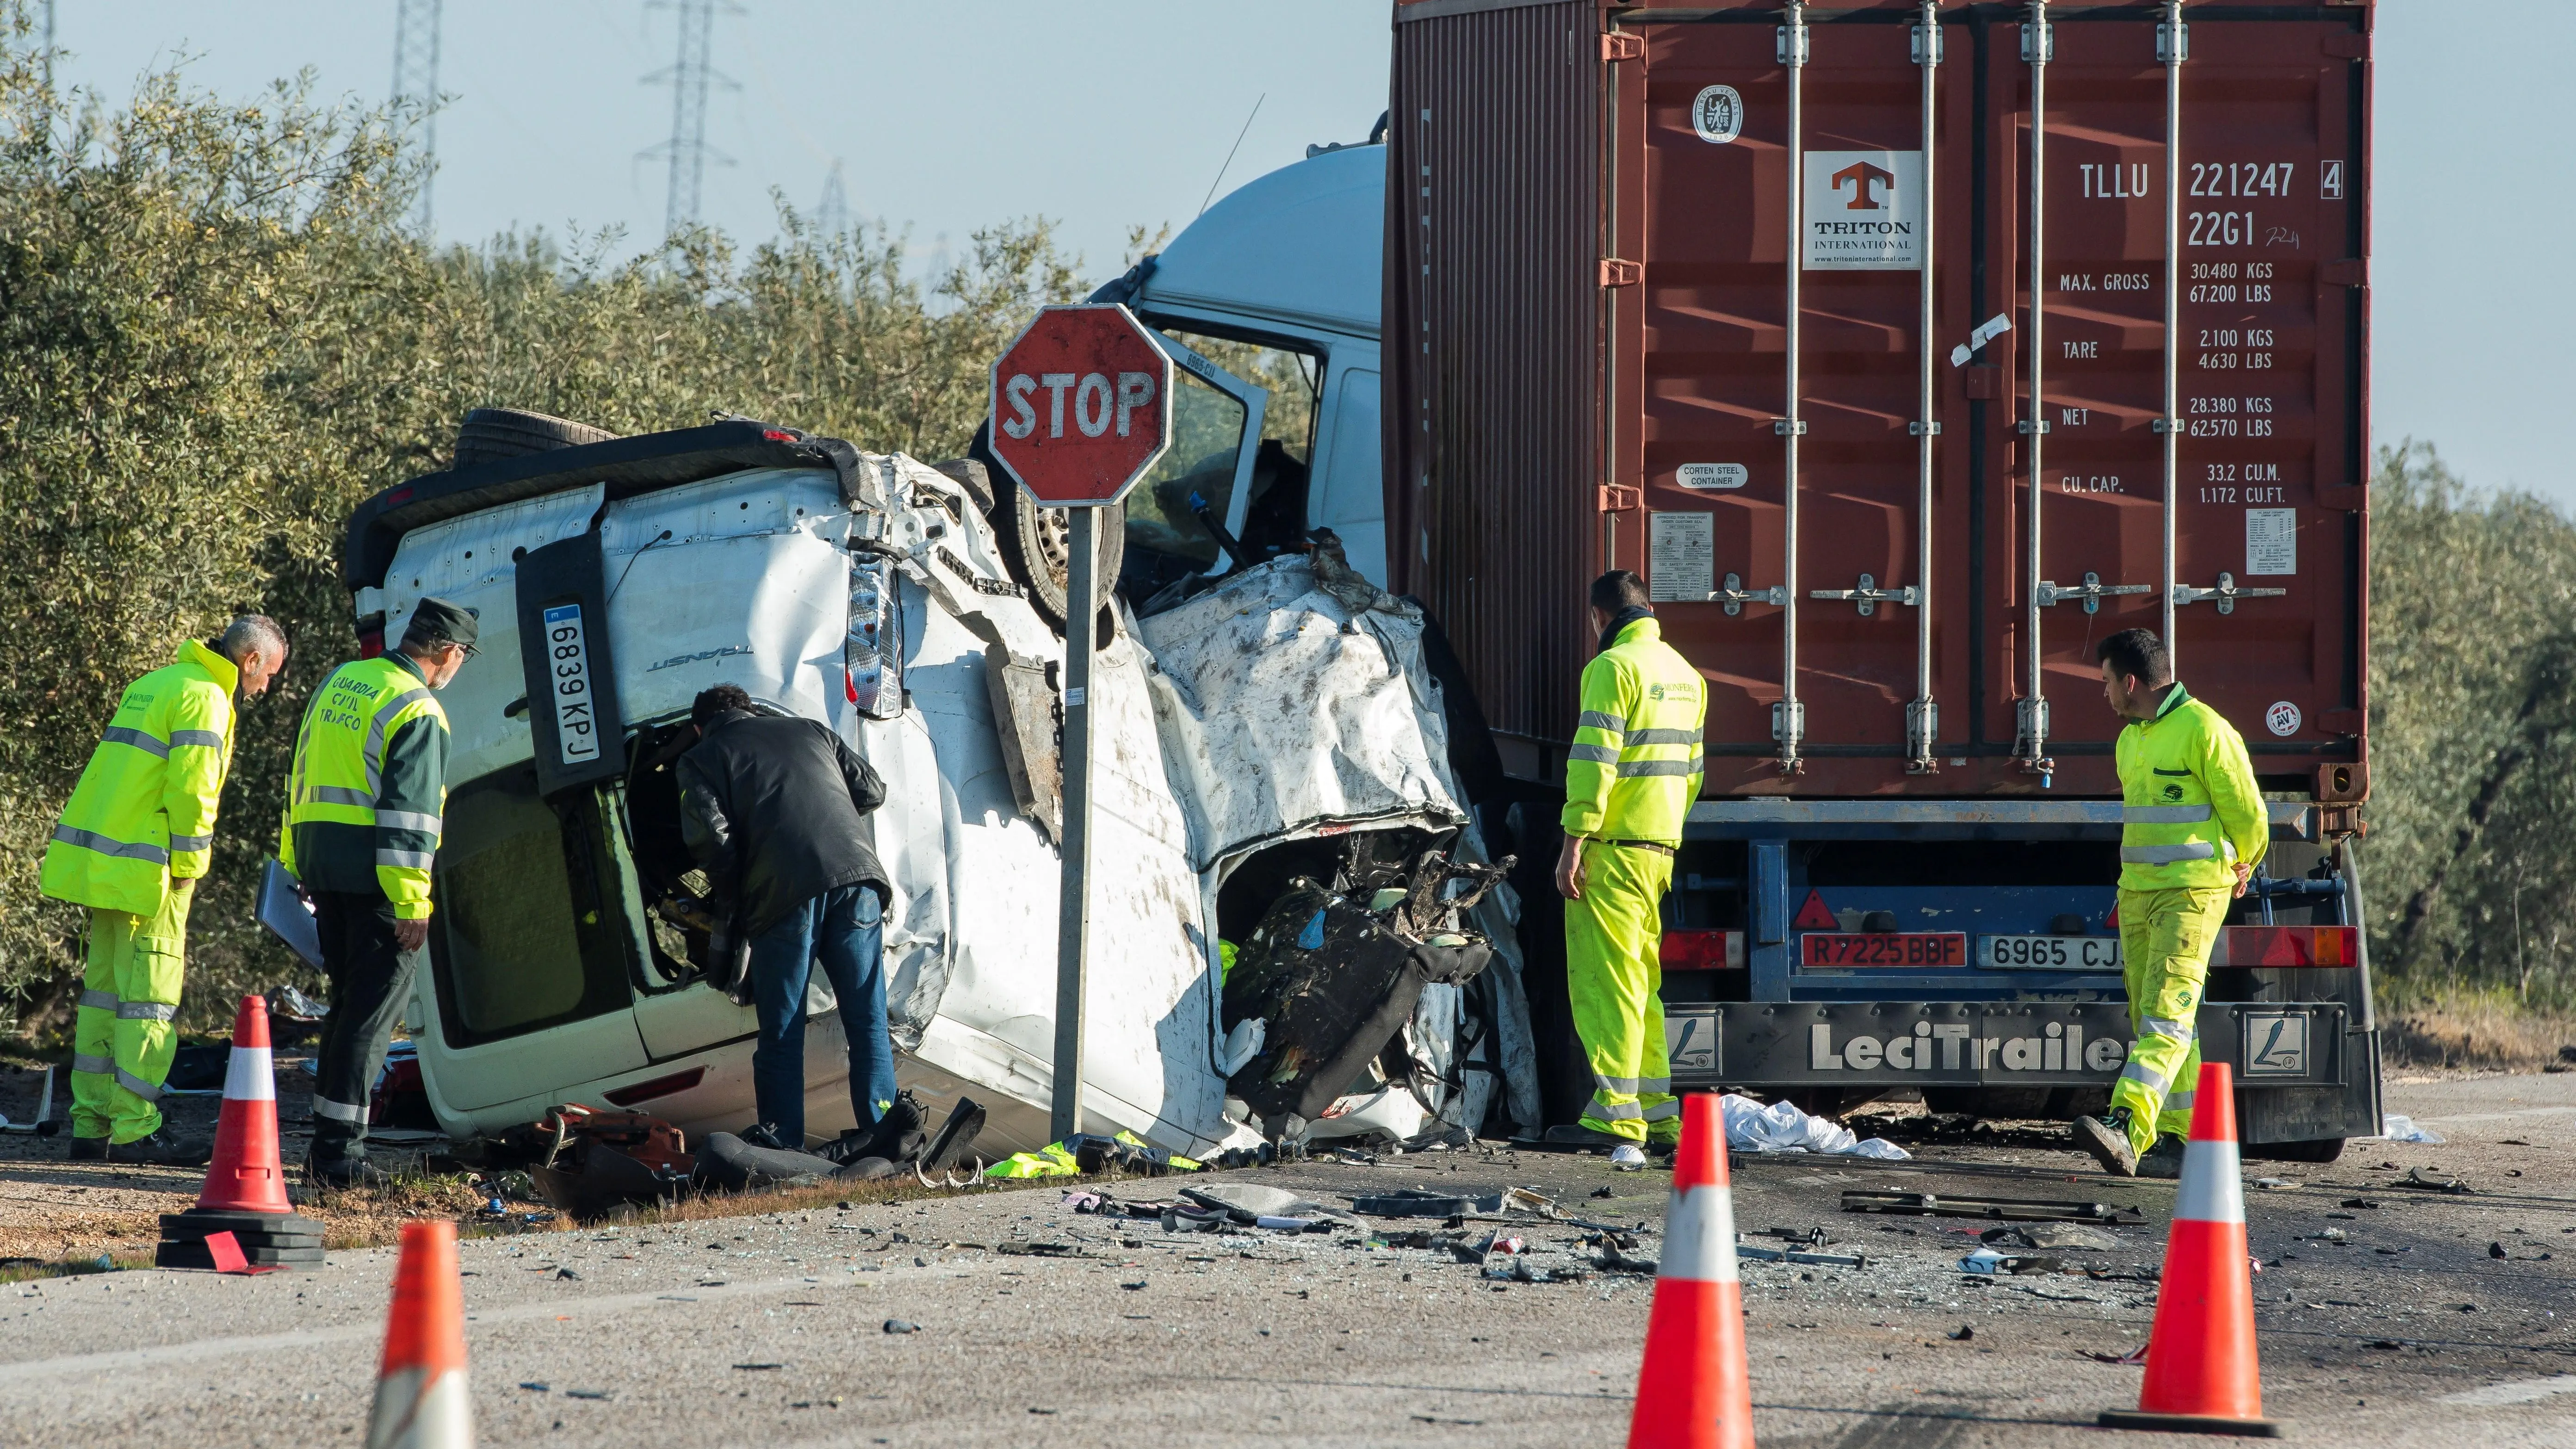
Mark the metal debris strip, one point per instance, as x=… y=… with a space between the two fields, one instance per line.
x=1822 y=1260
x=2003 y=1209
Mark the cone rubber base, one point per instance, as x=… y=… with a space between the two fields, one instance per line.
x=205 y=1222
x=198 y=1255
x=2195 y=1424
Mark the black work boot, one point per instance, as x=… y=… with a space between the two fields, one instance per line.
x=1590 y=1139
x=340 y=1174
x=765 y=1134
x=2164 y=1159
x=89 y=1149
x=2107 y=1138
x=161 y=1149
x=897 y=1136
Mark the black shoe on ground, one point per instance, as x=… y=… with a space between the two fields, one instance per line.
x=89 y=1149
x=2108 y=1141
x=161 y=1149
x=342 y=1175
x=765 y=1134
x=956 y=1136
x=897 y=1136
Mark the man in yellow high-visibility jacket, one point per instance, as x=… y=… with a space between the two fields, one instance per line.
x=1630 y=778
x=138 y=832
x=2192 y=827
x=363 y=807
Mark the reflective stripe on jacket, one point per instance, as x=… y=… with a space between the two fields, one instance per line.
x=1635 y=765
x=144 y=810
x=2190 y=810
x=369 y=785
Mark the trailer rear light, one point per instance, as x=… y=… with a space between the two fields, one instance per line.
x=1703 y=950
x=779 y=435
x=371 y=643
x=671 y=1085
x=2287 y=946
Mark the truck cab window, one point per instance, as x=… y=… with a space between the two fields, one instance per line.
x=1217 y=454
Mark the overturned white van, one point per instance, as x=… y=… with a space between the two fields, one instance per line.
x=617 y=578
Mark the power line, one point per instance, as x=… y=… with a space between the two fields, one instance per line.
x=832 y=213
x=689 y=77
x=416 y=27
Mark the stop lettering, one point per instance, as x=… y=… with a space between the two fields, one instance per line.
x=1082 y=404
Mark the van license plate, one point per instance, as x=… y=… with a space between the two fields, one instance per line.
x=568 y=664
x=2049 y=953
x=1830 y=949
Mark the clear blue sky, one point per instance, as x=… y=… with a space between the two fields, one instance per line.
x=1107 y=115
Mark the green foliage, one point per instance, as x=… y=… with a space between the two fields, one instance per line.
x=217 y=335
x=2472 y=737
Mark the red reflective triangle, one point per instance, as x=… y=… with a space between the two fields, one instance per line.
x=1814 y=917
x=2112 y=921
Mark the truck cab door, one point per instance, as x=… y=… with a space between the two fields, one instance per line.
x=1215 y=440
x=1347 y=487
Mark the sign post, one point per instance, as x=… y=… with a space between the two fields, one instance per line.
x=1082 y=406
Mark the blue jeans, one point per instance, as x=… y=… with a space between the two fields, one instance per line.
x=844 y=929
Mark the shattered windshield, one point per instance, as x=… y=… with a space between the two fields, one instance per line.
x=1207 y=439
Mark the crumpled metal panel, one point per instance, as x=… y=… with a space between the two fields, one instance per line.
x=1291 y=701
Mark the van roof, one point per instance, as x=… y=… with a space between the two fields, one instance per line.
x=643 y=463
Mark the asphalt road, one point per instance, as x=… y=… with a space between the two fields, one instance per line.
x=770 y=1330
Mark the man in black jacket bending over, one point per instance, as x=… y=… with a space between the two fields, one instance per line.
x=771 y=807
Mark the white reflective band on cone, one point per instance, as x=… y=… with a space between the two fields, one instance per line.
x=1699 y=1236
x=248 y=1076
x=2211 y=1191
x=409 y=1416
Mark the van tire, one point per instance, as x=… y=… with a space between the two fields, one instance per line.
x=1034 y=540
x=489 y=435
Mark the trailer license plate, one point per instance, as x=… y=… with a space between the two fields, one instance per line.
x=2049 y=953
x=1895 y=948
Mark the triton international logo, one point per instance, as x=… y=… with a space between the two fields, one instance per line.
x=1868 y=184
x=1864 y=211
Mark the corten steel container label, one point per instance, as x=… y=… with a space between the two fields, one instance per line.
x=1539 y=437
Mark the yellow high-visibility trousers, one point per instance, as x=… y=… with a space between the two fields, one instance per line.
x=2166 y=938
x=123 y=1037
x=1614 y=971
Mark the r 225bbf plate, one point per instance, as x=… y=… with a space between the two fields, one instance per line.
x=1831 y=950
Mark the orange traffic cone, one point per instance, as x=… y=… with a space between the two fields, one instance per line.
x=1694 y=1391
x=245 y=1191
x=2202 y=1377
x=421 y=1401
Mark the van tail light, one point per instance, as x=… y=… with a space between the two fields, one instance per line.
x=2287 y=946
x=1703 y=950
x=371 y=643
x=872 y=656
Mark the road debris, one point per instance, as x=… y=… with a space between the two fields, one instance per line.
x=2007 y=1209
x=2396 y=1128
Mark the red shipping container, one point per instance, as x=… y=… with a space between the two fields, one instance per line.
x=1602 y=351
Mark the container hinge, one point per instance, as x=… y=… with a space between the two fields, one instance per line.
x=1789 y=427
x=2226 y=594
x=1620 y=45
x=2165 y=47
x=1922 y=728
x=2162 y=426
x=2349 y=272
x=1869 y=595
x=2091 y=593
x=1922 y=430
x=1927 y=54
x=2046 y=49
x=1790 y=44
x=1618 y=498
x=1618 y=273
x=2026 y=426
x=1735 y=595
x=1789 y=731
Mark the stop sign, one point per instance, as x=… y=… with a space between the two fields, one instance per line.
x=1082 y=405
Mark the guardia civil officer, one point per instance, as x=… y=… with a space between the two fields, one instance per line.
x=2192 y=827
x=138 y=832
x=1630 y=778
x=364 y=798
